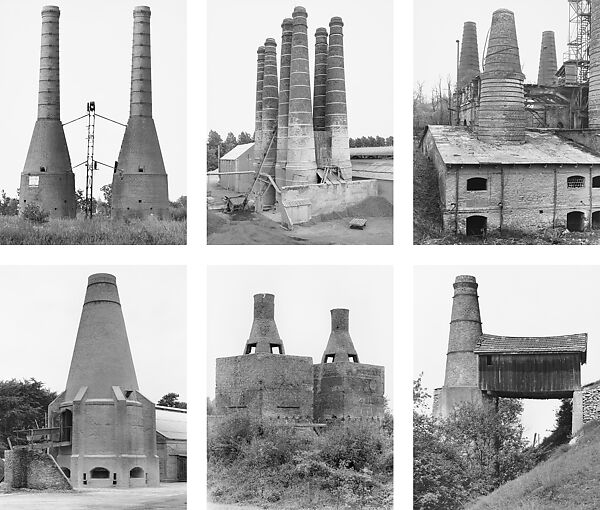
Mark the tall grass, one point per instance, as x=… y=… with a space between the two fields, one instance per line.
x=98 y=230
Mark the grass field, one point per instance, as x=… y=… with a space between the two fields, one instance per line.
x=99 y=230
x=569 y=480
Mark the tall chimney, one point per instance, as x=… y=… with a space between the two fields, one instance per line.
x=258 y=135
x=140 y=186
x=264 y=336
x=284 y=101
x=336 y=116
x=594 y=72
x=462 y=380
x=502 y=101
x=47 y=179
x=270 y=107
x=547 y=70
x=322 y=140
x=469 y=55
x=340 y=346
x=101 y=357
x=301 y=162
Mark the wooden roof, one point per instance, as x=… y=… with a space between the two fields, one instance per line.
x=493 y=344
x=458 y=145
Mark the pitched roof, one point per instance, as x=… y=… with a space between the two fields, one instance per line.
x=458 y=145
x=237 y=151
x=372 y=151
x=171 y=422
x=491 y=344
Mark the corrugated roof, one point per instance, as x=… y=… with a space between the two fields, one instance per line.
x=237 y=151
x=459 y=146
x=490 y=344
x=372 y=151
x=171 y=422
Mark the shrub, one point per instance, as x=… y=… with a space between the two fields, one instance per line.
x=35 y=214
x=230 y=436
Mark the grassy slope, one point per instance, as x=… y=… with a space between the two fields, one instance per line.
x=568 y=480
x=15 y=230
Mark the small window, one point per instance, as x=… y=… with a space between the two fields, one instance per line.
x=99 y=472
x=353 y=358
x=596 y=182
x=114 y=478
x=276 y=349
x=34 y=181
x=576 y=181
x=488 y=360
x=139 y=201
x=476 y=184
x=84 y=478
x=42 y=169
x=329 y=358
x=250 y=348
x=141 y=169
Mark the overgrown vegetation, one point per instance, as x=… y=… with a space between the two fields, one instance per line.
x=349 y=465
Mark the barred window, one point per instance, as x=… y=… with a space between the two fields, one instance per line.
x=576 y=181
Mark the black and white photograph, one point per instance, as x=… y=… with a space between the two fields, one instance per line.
x=94 y=124
x=505 y=122
x=300 y=146
x=303 y=405
x=506 y=383
x=91 y=401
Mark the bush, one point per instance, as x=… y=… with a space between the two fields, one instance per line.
x=35 y=214
x=230 y=436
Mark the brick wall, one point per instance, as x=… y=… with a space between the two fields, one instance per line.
x=30 y=469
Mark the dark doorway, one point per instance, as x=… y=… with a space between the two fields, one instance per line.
x=596 y=220
x=181 y=468
x=66 y=425
x=575 y=221
x=476 y=225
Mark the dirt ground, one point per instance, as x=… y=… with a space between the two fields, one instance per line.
x=170 y=496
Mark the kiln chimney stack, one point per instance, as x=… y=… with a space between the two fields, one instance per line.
x=264 y=337
x=547 y=70
x=469 y=55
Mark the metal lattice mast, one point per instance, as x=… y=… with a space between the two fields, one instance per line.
x=579 y=37
x=90 y=163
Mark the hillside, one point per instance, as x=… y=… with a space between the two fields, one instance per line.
x=570 y=479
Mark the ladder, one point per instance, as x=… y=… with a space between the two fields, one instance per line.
x=259 y=177
x=90 y=163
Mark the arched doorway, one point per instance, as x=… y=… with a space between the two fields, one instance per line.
x=476 y=225
x=596 y=220
x=575 y=221
x=66 y=425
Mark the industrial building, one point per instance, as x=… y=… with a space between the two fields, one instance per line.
x=301 y=153
x=171 y=443
x=482 y=367
x=522 y=156
x=266 y=383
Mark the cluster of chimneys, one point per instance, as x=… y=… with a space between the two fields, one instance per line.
x=294 y=135
x=264 y=336
x=501 y=115
x=139 y=185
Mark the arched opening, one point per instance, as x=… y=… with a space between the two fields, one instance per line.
x=575 y=181
x=66 y=471
x=575 y=221
x=596 y=220
x=99 y=472
x=476 y=184
x=66 y=425
x=136 y=472
x=476 y=225
x=596 y=181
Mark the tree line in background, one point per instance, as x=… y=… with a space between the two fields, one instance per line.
x=432 y=109
x=473 y=451
x=216 y=147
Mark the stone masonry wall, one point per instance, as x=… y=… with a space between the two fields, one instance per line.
x=591 y=402
x=30 y=469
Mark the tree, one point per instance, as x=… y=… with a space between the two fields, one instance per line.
x=8 y=206
x=172 y=400
x=23 y=404
x=244 y=137
x=212 y=151
x=81 y=202
x=229 y=144
x=107 y=194
x=389 y=141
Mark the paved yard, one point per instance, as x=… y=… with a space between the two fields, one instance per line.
x=170 y=496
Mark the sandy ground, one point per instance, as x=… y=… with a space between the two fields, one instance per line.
x=170 y=496
x=221 y=506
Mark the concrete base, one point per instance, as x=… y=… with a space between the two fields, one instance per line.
x=577 y=413
x=449 y=398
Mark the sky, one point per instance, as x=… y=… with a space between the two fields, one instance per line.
x=41 y=307
x=439 y=23
x=233 y=41
x=304 y=295
x=514 y=301
x=95 y=64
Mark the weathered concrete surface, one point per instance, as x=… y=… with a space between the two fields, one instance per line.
x=258 y=134
x=140 y=184
x=284 y=100
x=339 y=346
x=47 y=179
x=167 y=496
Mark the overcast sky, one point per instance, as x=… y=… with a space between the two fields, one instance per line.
x=237 y=28
x=439 y=23
x=41 y=307
x=95 y=60
x=304 y=295
x=514 y=301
